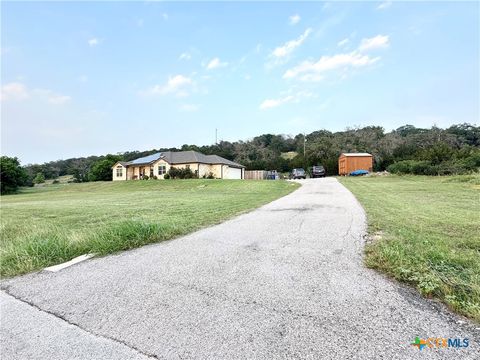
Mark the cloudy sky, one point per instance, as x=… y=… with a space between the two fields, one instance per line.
x=93 y=78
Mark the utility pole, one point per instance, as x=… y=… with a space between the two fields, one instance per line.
x=304 y=145
x=304 y=152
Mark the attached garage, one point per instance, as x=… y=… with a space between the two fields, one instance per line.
x=348 y=162
x=232 y=173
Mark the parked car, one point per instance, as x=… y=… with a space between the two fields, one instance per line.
x=298 y=174
x=318 y=171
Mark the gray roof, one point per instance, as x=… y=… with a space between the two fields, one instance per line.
x=183 y=157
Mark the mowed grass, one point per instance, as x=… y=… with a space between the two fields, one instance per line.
x=49 y=225
x=427 y=233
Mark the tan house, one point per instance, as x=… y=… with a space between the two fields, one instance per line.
x=158 y=165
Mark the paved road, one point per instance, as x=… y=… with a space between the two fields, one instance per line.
x=285 y=281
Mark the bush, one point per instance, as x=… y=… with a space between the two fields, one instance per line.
x=423 y=168
x=154 y=177
x=472 y=162
x=145 y=177
x=166 y=176
x=12 y=175
x=208 y=176
x=55 y=181
x=39 y=179
x=184 y=173
x=401 y=167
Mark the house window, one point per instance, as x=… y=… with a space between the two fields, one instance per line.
x=162 y=169
x=119 y=171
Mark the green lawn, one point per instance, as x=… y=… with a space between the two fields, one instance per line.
x=426 y=232
x=48 y=225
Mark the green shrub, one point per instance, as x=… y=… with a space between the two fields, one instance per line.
x=472 y=162
x=208 y=176
x=184 y=173
x=401 y=167
x=166 y=176
x=55 y=181
x=423 y=168
x=145 y=177
x=39 y=179
x=12 y=175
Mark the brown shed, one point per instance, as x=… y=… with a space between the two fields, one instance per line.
x=348 y=162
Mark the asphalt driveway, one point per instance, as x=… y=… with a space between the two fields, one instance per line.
x=284 y=281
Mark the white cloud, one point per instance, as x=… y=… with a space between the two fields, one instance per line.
x=384 y=5
x=178 y=85
x=58 y=99
x=17 y=91
x=314 y=71
x=14 y=91
x=271 y=103
x=189 y=107
x=343 y=42
x=377 y=42
x=288 y=98
x=165 y=16
x=294 y=19
x=185 y=56
x=291 y=45
x=216 y=63
x=93 y=42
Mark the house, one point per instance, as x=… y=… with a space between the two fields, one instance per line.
x=348 y=162
x=158 y=165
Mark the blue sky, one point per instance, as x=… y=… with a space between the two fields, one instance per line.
x=89 y=78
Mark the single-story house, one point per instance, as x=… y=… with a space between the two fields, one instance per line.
x=160 y=163
x=348 y=162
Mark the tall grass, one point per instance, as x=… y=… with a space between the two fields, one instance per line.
x=429 y=230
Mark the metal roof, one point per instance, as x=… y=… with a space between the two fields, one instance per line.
x=356 y=154
x=183 y=157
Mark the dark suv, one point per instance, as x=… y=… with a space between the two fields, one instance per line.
x=318 y=171
x=298 y=174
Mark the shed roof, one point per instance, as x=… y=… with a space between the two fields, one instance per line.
x=357 y=154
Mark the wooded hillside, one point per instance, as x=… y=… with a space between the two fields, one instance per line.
x=407 y=149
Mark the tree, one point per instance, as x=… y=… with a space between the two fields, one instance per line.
x=12 y=175
x=102 y=169
x=39 y=179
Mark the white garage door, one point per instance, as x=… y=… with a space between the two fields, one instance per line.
x=232 y=173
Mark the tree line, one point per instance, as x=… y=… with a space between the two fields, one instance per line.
x=408 y=149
